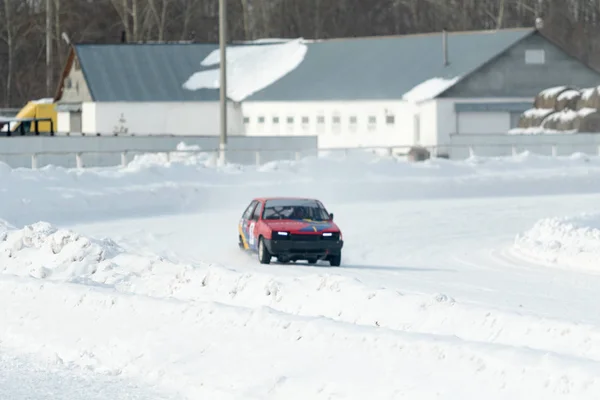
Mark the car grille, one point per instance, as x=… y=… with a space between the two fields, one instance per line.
x=314 y=237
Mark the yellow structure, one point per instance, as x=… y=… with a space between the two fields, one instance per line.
x=35 y=110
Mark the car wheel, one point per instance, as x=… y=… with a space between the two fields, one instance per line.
x=263 y=254
x=336 y=260
x=312 y=260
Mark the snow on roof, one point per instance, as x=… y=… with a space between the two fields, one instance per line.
x=249 y=68
x=338 y=69
x=48 y=100
x=429 y=89
x=266 y=40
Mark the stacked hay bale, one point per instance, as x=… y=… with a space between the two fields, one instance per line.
x=588 y=120
x=563 y=120
x=563 y=109
x=534 y=117
x=549 y=97
x=545 y=104
x=567 y=100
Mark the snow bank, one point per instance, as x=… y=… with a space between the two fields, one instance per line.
x=250 y=68
x=534 y=130
x=569 y=241
x=286 y=337
x=45 y=252
x=152 y=185
x=429 y=89
x=207 y=350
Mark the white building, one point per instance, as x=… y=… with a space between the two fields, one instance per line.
x=138 y=89
x=414 y=89
x=376 y=91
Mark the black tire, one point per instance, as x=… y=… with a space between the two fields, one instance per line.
x=335 y=261
x=264 y=257
x=312 y=260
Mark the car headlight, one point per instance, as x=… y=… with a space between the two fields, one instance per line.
x=281 y=233
x=332 y=235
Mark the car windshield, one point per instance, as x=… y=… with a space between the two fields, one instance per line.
x=295 y=209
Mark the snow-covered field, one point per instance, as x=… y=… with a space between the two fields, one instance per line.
x=459 y=279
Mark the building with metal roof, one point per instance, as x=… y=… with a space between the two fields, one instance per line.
x=373 y=91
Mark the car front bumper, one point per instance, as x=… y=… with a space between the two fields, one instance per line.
x=304 y=248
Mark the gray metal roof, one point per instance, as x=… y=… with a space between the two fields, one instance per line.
x=385 y=68
x=335 y=69
x=144 y=72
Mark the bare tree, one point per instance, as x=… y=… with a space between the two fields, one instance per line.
x=575 y=24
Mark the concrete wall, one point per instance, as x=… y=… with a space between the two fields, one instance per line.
x=22 y=147
x=524 y=70
x=169 y=118
x=494 y=145
x=337 y=124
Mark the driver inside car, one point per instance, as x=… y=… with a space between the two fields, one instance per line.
x=298 y=213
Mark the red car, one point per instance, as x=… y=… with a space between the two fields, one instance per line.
x=290 y=229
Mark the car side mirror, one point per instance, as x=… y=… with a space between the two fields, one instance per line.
x=331 y=216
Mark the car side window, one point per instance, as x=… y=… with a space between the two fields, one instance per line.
x=257 y=212
x=248 y=213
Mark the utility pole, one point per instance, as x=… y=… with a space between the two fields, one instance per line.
x=49 y=48
x=223 y=78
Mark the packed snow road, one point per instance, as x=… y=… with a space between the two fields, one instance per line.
x=460 y=248
x=445 y=268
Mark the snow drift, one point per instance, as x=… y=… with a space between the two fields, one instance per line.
x=568 y=241
x=152 y=185
x=206 y=330
x=221 y=332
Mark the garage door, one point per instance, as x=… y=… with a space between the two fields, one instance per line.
x=483 y=122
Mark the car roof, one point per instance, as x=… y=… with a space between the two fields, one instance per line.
x=284 y=198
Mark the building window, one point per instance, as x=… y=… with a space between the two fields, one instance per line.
x=537 y=56
x=337 y=119
x=353 y=123
x=372 y=122
x=275 y=120
x=320 y=123
x=290 y=120
x=305 y=120
x=390 y=119
x=261 y=120
x=246 y=120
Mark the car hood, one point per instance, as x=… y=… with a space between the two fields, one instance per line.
x=304 y=226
